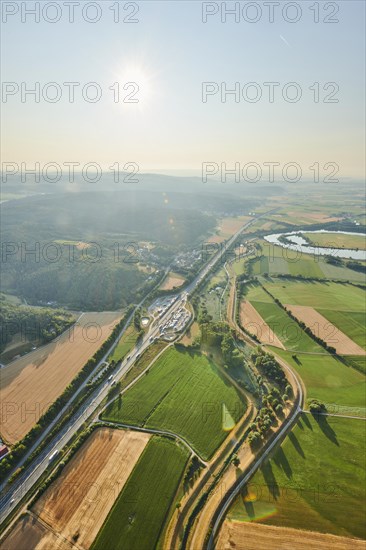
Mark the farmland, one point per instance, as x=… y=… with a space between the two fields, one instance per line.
x=277 y=260
x=228 y=227
x=340 y=297
x=137 y=518
x=172 y=280
x=352 y=323
x=37 y=379
x=251 y=536
x=341 y=305
x=185 y=394
x=337 y=240
x=281 y=325
x=255 y=324
x=314 y=481
x=76 y=504
x=330 y=380
x=325 y=330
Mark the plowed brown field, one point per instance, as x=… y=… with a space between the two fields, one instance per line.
x=29 y=385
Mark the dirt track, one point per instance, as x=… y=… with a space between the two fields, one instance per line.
x=322 y=328
x=251 y=536
x=255 y=324
x=29 y=385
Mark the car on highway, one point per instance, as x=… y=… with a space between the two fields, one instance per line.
x=53 y=455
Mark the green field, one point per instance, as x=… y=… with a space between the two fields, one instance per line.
x=287 y=330
x=337 y=240
x=137 y=517
x=340 y=297
x=352 y=323
x=315 y=480
x=281 y=261
x=331 y=381
x=357 y=362
x=126 y=343
x=186 y=394
x=341 y=304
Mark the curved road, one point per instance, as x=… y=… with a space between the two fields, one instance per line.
x=284 y=429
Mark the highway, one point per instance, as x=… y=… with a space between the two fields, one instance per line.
x=16 y=492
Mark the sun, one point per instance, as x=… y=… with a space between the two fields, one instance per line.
x=136 y=85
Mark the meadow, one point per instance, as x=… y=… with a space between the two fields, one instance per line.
x=314 y=481
x=184 y=393
x=125 y=344
x=337 y=240
x=330 y=380
x=321 y=295
x=138 y=516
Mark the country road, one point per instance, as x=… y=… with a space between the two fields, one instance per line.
x=286 y=426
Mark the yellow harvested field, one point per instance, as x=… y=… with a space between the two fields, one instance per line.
x=256 y=325
x=228 y=227
x=75 y=506
x=29 y=533
x=78 y=502
x=29 y=385
x=321 y=327
x=172 y=280
x=313 y=216
x=236 y=535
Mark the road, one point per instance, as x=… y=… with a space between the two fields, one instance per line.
x=283 y=430
x=11 y=497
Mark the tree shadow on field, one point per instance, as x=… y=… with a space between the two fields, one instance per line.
x=281 y=461
x=248 y=504
x=296 y=444
x=299 y=423
x=270 y=480
x=326 y=428
x=238 y=472
x=307 y=421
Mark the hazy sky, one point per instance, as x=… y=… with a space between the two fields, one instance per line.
x=170 y=52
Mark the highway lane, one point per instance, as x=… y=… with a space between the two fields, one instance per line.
x=11 y=498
